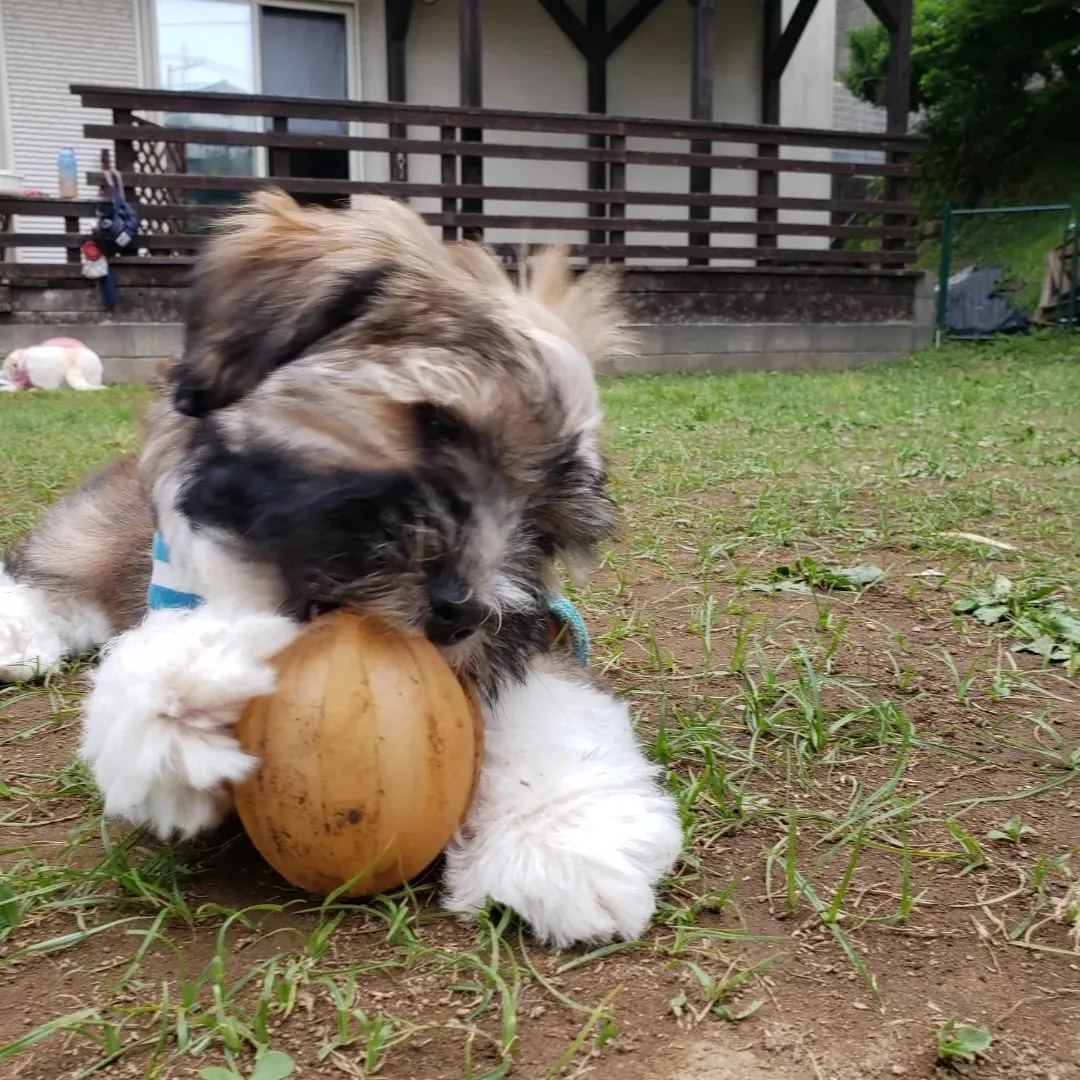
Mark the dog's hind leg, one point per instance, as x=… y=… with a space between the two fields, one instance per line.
x=79 y=578
x=84 y=370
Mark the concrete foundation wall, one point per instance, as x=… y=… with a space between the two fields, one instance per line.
x=132 y=352
x=767 y=347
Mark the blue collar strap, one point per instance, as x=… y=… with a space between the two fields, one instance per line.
x=166 y=592
x=564 y=612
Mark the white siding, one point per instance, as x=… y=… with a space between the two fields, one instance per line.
x=7 y=178
x=49 y=44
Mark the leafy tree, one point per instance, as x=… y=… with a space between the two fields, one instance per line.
x=996 y=81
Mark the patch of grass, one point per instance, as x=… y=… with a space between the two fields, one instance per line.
x=961 y=1042
x=50 y=441
x=859 y=767
x=1037 y=615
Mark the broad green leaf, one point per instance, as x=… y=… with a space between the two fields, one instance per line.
x=1066 y=624
x=273 y=1065
x=965 y=1042
x=968 y=604
x=991 y=615
x=216 y=1072
x=1040 y=646
x=862 y=575
x=799 y=587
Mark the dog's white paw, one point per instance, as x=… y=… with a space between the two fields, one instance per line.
x=158 y=725
x=583 y=871
x=569 y=827
x=37 y=631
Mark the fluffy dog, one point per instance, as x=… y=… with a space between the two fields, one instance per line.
x=363 y=417
x=49 y=365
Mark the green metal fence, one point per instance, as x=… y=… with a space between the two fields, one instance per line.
x=1064 y=307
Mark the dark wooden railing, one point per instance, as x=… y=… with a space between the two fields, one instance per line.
x=635 y=218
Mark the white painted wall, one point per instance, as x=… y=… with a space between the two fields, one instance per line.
x=806 y=100
x=8 y=179
x=47 y=45
x=529 y=64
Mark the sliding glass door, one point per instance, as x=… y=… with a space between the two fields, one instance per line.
x=289 y=49
x=305 y=53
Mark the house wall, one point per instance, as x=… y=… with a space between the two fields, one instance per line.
x=47 y=45
x=528 y=64
x=806 y=100
x=8 y=180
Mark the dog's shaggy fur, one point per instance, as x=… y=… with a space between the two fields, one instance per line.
x=365 y=418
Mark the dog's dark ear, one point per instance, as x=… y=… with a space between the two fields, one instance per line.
x=264 y=293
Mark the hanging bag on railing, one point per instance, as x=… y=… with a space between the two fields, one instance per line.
x=117 y=220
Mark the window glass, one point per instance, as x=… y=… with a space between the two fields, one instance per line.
x=205 y=46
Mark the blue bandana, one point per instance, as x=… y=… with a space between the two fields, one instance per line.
x=166 y=592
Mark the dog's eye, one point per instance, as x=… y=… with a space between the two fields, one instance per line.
x=439 y=426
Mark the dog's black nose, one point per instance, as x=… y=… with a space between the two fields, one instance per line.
x=191 y=399
x=454 y=613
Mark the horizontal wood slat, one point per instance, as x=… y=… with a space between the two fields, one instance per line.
x=85 y=209
x=673 y=225
x=166 y=101
x=528 y=152
x=192 y=242
x=167 y=242
x=305 y=186
x=611 y=222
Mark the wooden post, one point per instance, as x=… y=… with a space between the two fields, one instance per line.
x=596 y=102
x=124 y=156
x=471 y=71
x=280 y=158
x=449 y=175
x=768 y=181
x=898 y=106
x=617 y=182
x=398 y=16
x=898 y=92
x=702 y=83
x=71 y=228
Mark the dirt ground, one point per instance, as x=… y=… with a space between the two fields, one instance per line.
x=977 y=945
x=879 y=793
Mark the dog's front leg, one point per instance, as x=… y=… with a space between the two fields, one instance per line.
x=158 y=724
x=569 y=827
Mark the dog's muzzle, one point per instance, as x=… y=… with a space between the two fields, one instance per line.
x=455 y=614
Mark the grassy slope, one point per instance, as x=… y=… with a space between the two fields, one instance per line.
x=1017 y=243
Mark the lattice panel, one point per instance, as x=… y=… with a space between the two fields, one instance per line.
x=154 y=157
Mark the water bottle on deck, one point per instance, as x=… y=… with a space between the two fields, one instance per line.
x=69 y=173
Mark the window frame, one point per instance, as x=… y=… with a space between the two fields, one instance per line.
x=150 y=62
